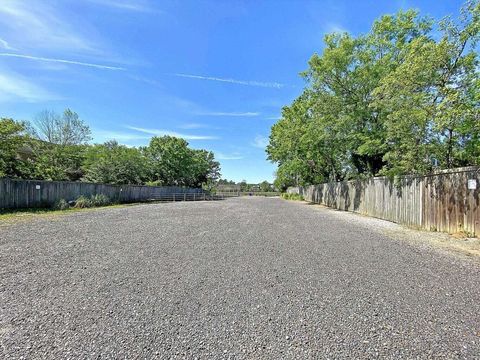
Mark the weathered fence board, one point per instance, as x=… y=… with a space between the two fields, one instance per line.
x=441 y=201
x=35 y=193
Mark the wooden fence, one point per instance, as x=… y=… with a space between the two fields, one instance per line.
x=33 y=193
x=446 y=201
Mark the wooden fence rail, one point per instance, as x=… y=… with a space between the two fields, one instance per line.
x=444 y=201
x=34 y=193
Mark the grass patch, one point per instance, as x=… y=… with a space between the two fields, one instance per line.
x=60 y=207
x=93 y=201
x=15 y=214
x=12 y=215
x=5 y=213
x=297 y=197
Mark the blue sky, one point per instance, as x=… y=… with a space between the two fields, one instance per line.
x=214 y=72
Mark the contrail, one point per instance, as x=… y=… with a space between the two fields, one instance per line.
x=233 y=81
x=62 y=61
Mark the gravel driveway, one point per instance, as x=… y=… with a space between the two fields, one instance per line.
x=241 y=278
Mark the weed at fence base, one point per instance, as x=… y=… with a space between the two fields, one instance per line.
x=288 y=196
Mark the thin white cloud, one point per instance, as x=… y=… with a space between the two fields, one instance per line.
x=222 y=156
x=14 y=87
x=190 y=126
x=274 y=85
x=260 y=141
x=237 y=114
x=106 y=135
x=63 y=61
x=128 y=5
x=38 y=24
x=161 y=132
x=5 y=45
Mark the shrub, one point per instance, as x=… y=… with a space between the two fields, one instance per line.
x=287 y=196
x=92 y=201
x=83 y=202
x=61 y=204
x=100 y=200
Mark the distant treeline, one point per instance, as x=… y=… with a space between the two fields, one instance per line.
x=55 y=147
x=243 y=186
x=403 y=98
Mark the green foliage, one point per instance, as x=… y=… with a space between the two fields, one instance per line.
x=226 y=182
x=396 y=100
x=225 y=186
x=265 y=186
x=64 y=129
x=15 y=158
x=55 y=149
x=61 y=204
x=83 y=202
x=58 y=162
x=100 y=200
x=288 y=196
x=432 y=100
x=112 y=163
x=172 y=162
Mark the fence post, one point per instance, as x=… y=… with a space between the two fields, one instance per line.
x=184 y=196
x=173 y=197
x=193 y=196
x=203 y=196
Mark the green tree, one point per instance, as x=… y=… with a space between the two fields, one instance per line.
x=243 y=185
x=172 y=162
x=60 y=145
x=111 y=163
x=391 y=101
x=58 y=162
x=432 y=100
x=265 y=186
x=64 y=129
x=169 y=158
x=205 y=169
x=15 y=153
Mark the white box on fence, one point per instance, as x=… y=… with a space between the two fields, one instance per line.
x=472 y=184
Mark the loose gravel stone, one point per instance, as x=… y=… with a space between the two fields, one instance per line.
x=243 y=278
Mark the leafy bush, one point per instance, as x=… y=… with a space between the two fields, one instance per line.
x=83 y=202
x=287 y=196
x=93 y=201
x=100 y=200
x=61 y=204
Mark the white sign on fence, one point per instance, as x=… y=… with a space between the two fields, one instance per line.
x=37 y=187
x=472 y=184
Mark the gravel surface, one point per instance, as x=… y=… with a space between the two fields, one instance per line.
x=241 y=278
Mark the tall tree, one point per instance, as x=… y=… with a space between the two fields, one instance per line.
x=432 y=99
x=205 y=169
x=111 y=163
x=60 y=149
x=391 y=101
x=265 y=186
x=58 y=162
x=64 y=129
x=172 y=162
x=15 y=154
